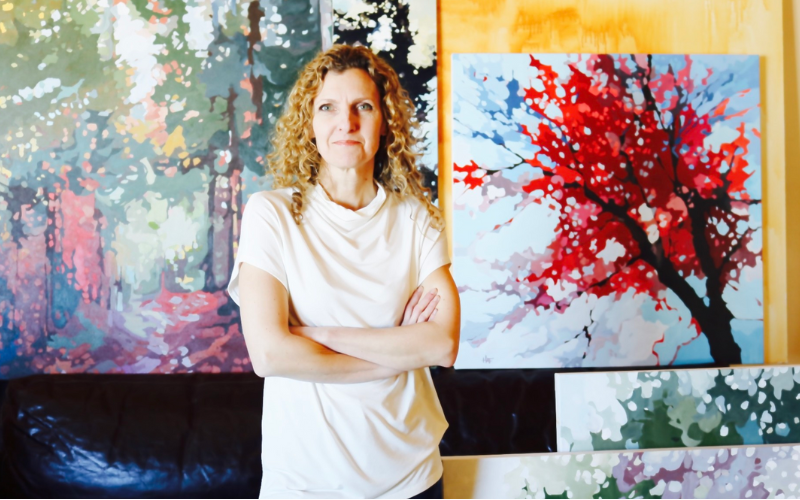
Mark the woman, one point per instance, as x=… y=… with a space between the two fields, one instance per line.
x=330 y=273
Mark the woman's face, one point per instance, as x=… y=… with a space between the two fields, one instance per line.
x=347 y=120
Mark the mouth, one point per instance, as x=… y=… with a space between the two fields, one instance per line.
x=347 y=143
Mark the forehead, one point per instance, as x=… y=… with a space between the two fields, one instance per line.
x=351 y=83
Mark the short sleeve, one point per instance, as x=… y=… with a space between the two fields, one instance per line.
x=433 y=252
x=260 y=242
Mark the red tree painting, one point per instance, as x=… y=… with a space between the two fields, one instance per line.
x=648 y=170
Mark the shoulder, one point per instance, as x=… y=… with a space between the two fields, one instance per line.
x=414 y=210
x=409 y=204
x=274 y=207
x=277 y=200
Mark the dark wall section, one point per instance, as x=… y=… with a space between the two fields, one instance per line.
x=497 y=411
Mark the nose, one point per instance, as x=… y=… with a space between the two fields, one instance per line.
x=348 y=122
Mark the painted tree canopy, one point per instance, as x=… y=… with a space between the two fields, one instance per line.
x=724 y=472
x=674 y=409
x=132 y=133
x=621 y=192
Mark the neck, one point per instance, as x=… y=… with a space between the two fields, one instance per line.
x=350 y=188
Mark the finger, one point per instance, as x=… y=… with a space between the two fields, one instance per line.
x=425 y=315
x=424 y=301
x=411 y=303
x=434 y=314
x=422 y=305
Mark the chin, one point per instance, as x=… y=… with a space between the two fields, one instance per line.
x=345 y=163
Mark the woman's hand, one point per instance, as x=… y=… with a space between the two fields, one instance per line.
x=420 y=308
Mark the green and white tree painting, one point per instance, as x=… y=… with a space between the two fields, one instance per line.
x=728 y=472
x=680 y=408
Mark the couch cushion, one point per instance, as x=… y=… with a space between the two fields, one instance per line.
x=132 y=436
x=200 y=435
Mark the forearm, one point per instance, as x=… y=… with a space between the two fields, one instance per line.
x=402 y=347
x=303 y=359
x=415 y=344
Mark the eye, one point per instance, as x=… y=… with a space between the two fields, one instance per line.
x=325 y=107
x=365 y=106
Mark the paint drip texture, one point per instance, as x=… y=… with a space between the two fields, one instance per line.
x=403 y=32
x=607 y=209
x=736 y=472
x=682 y=408
x=133 y=134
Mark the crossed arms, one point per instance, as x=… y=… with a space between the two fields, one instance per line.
x=428 y=335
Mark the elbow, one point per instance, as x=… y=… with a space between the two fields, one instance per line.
x=262 y=354
x=260 y=366
x=264 y=365
x=260 y=371
x=448 y=357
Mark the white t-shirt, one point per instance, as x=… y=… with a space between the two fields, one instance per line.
x=356 y=269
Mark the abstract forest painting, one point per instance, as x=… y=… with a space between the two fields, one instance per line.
x=730 y=472
x=403 y=32
x=132 y=134
x=681 y=408
x=607 y=209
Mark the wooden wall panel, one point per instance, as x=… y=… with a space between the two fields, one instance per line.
x=791 y=24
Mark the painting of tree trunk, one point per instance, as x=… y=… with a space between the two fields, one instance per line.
x=133 y=133
x=608 y=209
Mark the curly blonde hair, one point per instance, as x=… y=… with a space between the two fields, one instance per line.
x=295 y=161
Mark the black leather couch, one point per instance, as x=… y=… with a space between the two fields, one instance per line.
x=178 y=436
